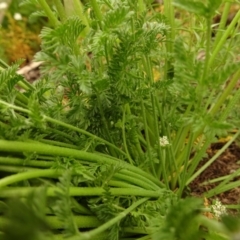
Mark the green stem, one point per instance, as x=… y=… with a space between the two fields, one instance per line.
x=28 y=175
x=222 y=24
x=223 y=38
x=224 y=188
x=3 y=64
x=97 y=10
x=156 y=128
x=54 y=222
x=180 y=140
x=19 y=103
x=10 y=192
x=15 y=169
x=225 y=94
x=56 y=143
x=105 y=124
x=64 y=136
x=80 y=221
x=141 y=6
x=140 y=230
x=148 y=69
x=15 y=146
x=23 y=162
x=143 y=178
x=230 y=106
x=140 y=151
x=152 y=119
x=142 y=140
x=60 y=10
x=124 y=136
x=49 y=119
x=146 y=132
x=198 y=156
x=9 y=105
x=162 y=161
x=134 y=181
x=93 y=233
x=52 y=120
x=207 y=51
x=225 y=184
x=78 y=6
x=206 y=165
x=182 y=181
x=170 y=36
x=121 y=184
x=79 y=207
x=22 y=98
x=101 y=236
x=52 y=19
x=210 y=99
x=22 y=85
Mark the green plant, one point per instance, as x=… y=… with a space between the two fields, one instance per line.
x=110 y=144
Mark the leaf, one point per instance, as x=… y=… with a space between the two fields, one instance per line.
x=37 y=14
x=65 y=34
x=62 y=208
x=192 y=6
x=213 y=5
x=198 y=7
x=221 y=125
x=219 y=77
x=116 y=17
x=27 y=2
x=102 y=85
x=9 y=77
x=232 y=223
x=26 y=219
x=35 y=114
x=181 y=222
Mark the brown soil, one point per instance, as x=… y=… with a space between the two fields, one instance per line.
x=226 y=164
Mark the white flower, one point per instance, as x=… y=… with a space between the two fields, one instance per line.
x=3 y=5
x=163 y=141
x=17 y=16
x=218 y=209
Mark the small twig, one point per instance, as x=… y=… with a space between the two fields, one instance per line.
x=24 y=70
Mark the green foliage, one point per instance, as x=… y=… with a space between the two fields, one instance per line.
x=203 y=9
x=26 y=218
x=62 y=208
x=122 y=144
x=9 y=78
x=182 y=215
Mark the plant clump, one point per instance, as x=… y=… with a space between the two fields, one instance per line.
x=101 y=148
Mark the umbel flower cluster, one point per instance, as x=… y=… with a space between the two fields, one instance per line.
x=218 y=209
x=163 y=141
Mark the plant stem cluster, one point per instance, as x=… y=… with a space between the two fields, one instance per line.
x=105 y=144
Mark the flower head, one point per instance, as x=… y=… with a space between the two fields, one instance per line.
x=163 y=141
x=3 y=5
x=218 y=209
x=17 y=16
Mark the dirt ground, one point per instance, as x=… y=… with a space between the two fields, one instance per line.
x=226 y=164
